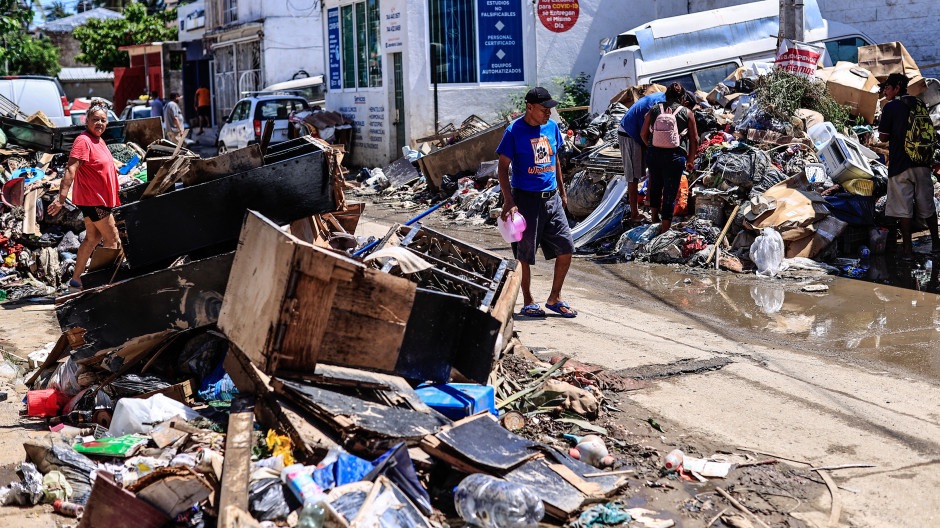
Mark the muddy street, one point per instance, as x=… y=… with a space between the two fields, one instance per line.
x=848 y=376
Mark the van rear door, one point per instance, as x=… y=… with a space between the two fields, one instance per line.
x=278 y=110
x=32 y=95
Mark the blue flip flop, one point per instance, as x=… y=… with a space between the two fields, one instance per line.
x=533 y=310
x=562 y=308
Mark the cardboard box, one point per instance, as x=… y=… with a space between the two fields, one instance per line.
x=824 y=232
x=853 y=86
x=796 y=209
x=892 y=57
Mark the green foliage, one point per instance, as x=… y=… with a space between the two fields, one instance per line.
x=56 y=10
x=782 y=93
x=100 y=39
x=37 y=56
x=20 y=53
x=568 y=91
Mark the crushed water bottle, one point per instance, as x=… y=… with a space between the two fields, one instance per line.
x=490 y=502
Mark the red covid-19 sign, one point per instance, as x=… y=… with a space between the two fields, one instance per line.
x=558 y=15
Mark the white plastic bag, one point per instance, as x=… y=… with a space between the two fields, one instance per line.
x=134 y=415
x=65 y=378
x=767 y=252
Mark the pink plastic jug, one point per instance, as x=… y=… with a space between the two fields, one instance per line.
x=511 y=229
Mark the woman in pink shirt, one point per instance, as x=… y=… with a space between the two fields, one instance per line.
x=92 y=178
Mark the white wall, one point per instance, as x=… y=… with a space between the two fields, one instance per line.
x=915 y=23
x=291 y=44
x=185 y=16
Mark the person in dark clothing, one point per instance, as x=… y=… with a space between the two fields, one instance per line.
x=667 y=163
x=910 y=188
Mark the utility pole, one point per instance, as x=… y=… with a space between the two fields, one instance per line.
x=791 y=21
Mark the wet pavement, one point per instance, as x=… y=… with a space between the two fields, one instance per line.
x=855 y=320
x=892 y=322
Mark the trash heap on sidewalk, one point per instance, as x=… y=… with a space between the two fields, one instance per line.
x=38 y=251
x=225 y=367
x=800 y=156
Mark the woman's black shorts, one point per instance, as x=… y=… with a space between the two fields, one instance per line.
x=94 y=212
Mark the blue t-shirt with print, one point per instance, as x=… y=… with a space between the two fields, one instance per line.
x=632 y=122
x=533 y=151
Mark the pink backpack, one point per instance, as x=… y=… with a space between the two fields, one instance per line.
x=665 y=129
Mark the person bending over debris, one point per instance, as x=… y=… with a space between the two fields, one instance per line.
x=669 y=132
x=909 y=184
x=630 y=137
x=530 y=144
x=92 y=177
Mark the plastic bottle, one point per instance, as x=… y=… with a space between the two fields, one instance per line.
x=591 y=450
x=673 y=460
x=313 y=513
x=490 y=502
x=299 y=480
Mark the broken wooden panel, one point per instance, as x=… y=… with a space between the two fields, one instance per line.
x=174 y=489
x=280 y=293
x=367 y=324
x=210 y=215
x=207 y=169
x=114 y=507
x=478 y=443
x=174 y=299
x=465 y=155
x=375 y=426
x=237 y=462
x=143 y=131
x=310 y=438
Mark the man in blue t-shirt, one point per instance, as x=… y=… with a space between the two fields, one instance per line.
x=632 y=148
x=530 y=145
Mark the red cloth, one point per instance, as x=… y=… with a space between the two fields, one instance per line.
x=96 y=182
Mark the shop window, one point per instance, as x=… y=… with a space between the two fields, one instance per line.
x=453 y=41
x=359 y=34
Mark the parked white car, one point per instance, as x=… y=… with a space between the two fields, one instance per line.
x=38 y=92
x=244 y=125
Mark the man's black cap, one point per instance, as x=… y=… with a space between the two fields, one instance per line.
x=895 y=79
x=539 y=95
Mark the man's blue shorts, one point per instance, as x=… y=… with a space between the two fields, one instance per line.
x=546 y=226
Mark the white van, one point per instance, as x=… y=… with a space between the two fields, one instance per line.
x=37 y=92
x=310 y=88
x=700 y=50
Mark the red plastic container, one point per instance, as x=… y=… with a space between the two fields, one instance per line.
x=43 y=403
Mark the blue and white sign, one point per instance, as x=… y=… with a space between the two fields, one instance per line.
x=500 y=29
x=332 y=27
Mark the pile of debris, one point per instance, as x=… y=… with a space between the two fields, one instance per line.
x=797 y=155
x=38 y=251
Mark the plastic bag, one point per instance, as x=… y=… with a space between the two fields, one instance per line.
x=266 y=500
x=26 y=492
x=55 y=487
x=767 y=252
x=52 y=454
x=132 y=415
x=65 y=378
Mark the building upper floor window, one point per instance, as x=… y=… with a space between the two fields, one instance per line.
x=229 y=11
x=354 y=36
x=475 y=41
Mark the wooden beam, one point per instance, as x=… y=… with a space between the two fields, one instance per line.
x=237 y=464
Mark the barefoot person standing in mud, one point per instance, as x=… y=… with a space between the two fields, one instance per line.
x=530 y=145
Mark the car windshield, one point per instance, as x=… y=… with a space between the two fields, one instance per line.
x=278 y=108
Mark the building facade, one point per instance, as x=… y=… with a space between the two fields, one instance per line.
x=401 y=69
x=255 y=43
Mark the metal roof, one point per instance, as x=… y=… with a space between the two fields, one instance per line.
x=84 y=73
x=69 y=23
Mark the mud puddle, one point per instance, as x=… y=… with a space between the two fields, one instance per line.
x=888 y=320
